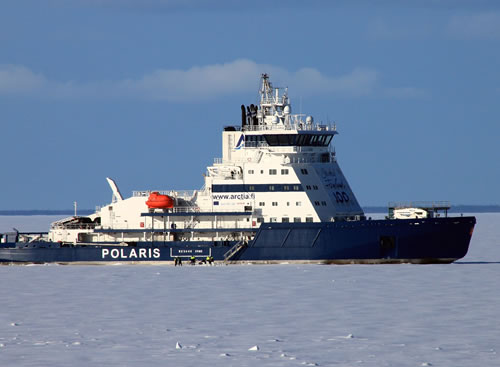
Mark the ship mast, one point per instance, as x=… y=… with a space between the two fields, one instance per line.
x=274 y=109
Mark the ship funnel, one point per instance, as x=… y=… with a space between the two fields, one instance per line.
x=243 y=116
x=117 y=196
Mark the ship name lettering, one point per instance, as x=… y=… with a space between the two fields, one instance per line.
x=142 y=253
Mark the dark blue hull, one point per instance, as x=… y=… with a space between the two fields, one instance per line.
x=432 y=240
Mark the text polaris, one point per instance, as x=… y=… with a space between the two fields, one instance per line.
x=142 y=253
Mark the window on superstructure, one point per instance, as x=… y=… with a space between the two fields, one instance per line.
x=259 y=220
x=316 y=203
x=287 y=203
x=272 y=171
x=323 y=203
x=296 y=220
x=275 y=203
x=262 y=203
x=309 y=219
x=284 y=171
x=251 y=188
x=298 y=203
x=296 y=188
x=308 y=187
x=250 y=171
x=286 y=188
x=315 y=187
x=254 y=141
x=271 y=187
x=311 y=140
x=273 y=220
x=304 y=171
x=285 y=220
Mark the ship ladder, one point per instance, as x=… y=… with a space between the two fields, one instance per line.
x=234 y=250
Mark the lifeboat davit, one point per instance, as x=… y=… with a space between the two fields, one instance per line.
x=159 y=201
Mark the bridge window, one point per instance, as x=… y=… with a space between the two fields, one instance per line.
x=317 y=139
x=296 y=188
x=284 y=171
x=296 y=220
x=271 y=187
x=272 y=171
x=309 y=219
x=286 y=188
x=285 y=220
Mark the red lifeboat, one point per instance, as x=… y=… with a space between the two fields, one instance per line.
x=159 y=201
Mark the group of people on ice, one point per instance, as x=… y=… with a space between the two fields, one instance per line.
x=192 y=260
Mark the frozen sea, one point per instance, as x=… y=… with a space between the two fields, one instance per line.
x=295 y=315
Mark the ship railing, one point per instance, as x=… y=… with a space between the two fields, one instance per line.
x=184 y=209
x=296 y=125
x=323 y=158
x=206 y=225
x=429 y=205
x=74 y=226
x=195 y=210
x=326 y=157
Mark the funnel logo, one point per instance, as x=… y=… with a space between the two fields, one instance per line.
x=241 y=142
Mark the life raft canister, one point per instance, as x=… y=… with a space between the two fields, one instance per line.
x=159 y=201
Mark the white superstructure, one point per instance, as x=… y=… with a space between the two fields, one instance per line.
x=275 y=167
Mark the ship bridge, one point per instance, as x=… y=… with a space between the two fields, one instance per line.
x=280 y=165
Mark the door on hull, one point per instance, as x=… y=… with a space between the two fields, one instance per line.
x=388 y=248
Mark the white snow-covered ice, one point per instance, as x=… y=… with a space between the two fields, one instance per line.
x=297 y=315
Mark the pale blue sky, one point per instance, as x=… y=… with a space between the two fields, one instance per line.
x=139 y=91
